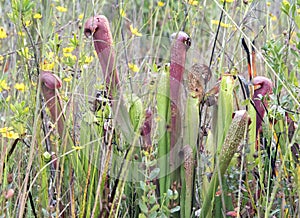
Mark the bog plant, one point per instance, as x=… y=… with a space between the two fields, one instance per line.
x=105 y=127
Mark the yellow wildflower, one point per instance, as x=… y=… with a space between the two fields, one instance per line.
x=268 y=3
x=225 y=25
x=298 y=11
x=68 y=79
x=192 y=2
x=33 y=83
x=51 y=54
x=24 y=52
x=37 y=16
x=88 y=59
x=20 y=86
x=216 y=22
x=20 y=33
x=229 y=1
x=134 y=68
x=160 y=4
x=95 y=53
x=8 y=98
x=77 y=148
x=3 y=34
x=46 y=66
x=135 y=31
x=285 y=2
x=273 y=17
x=122 y=12
x=3 y=85
x=5 y=129
x=80 y=17
x=68 y=49
x=1 y=58
x=28 y=23
x=69 y=55
x=10 y=135
x=61 y=9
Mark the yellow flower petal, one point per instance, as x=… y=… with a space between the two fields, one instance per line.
x=10 y=135
x=268 y=3
x=68 y=79
x=5 y=129
x=122 y=12
x=88 y=59
x=47 y=65
x=3 y=85
x=68 y=49
x=285 y=2
x=80 y=17
x=215 y=22
x=77 y=147
x=8 y=98
x=134 y=68
x=160 y=4
x=225 y=25
x=28 y=23
x=273 y=17
x=3 y=34
x=1 y=58
x=37 y=16
x=71 y=56
x=135 y=31
x=20 y=86
x=24 y=52
x=192 y=2
x=33 y=83
x=229 y=1
x=61 y=9
x=20 y=33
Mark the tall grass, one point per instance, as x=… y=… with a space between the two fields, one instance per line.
x=102 y=166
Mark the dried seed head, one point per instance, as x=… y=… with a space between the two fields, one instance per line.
x=198 y=76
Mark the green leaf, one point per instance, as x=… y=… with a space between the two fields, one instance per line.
x=165 y=209
x=13 y=108
x=245 y=102
x=145 y=199
x=151 y=163
x=141 y=215
x=232 y=140
x=169 y=193
x=175 y=194
x=175 y=209
x=136 y=110
x=47 y=156
x=152 y=200
x=154 y=173
x=143 y=185
x=163 y=215
x=154 y=208
x=143 y=207
x=297 y=20
x=153 y=214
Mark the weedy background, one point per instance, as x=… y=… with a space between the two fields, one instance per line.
x=46 y=35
